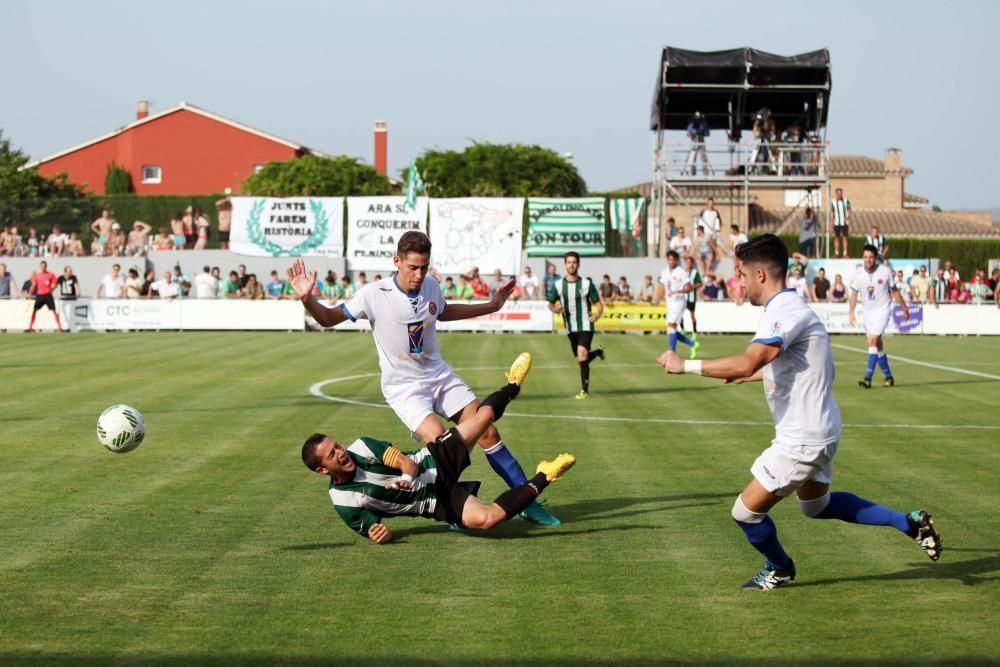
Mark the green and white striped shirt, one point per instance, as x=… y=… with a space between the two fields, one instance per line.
x=839 y=208
x=576 y=298
x=364 y=500
x=692 y=296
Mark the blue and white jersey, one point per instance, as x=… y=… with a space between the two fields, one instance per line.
x=673 y=281
x=874 y=289
x=405 y=328
x=798 y=384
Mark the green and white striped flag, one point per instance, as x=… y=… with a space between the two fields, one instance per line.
x=414 y=185
x=556 y=226
x=626 y=215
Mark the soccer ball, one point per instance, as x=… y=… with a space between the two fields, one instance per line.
x=121 y=428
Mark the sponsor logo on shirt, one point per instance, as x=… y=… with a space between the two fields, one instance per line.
x=432 y=308
x=415 y=330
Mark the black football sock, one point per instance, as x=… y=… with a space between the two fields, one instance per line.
x=593 y=354
x=585 y=376
x=514 y=501
x=499 y=399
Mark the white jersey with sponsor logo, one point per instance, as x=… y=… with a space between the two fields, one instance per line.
x=874 y=289
x=404 y=326
x=798 y=384
x=673 y=281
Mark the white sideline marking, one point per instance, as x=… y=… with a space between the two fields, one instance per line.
x=317 y=391
x=917 y=362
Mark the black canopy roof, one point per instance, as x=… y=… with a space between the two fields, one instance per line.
x=730 y=86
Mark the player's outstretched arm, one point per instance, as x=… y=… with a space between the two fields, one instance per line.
x=735 y=369
x=463 y=311
x=303 y=282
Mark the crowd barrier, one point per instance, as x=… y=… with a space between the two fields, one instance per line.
x=225 y=314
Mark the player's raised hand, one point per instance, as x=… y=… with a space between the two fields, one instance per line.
x=671 y=362
x=500 y=298
x=301 y=281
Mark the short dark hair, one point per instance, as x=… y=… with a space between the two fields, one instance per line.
x=413 y=241
x=869 y=246
x=572 y=253
x=673 y=253
x=766 y=249
x=309 y=456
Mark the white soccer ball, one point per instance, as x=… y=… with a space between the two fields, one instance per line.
x=121 y=428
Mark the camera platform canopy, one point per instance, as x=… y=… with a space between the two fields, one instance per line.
x=730 y=87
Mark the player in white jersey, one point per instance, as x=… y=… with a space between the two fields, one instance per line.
x=418 y=385
x=675 y=284
x=791 y=353
x=877 y=286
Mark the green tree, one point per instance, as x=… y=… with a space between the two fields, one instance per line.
x=117 y=180
x=312 y=175
x=500 y=170
x=17 y=183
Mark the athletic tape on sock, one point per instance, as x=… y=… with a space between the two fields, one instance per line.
x=744 y=515
x=812 y=508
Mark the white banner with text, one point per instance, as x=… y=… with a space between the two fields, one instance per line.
x=289 y=226
x=374 y=225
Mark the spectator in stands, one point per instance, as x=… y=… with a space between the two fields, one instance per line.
x=711 y=290
x=190 y=234
x=182 y=280
x=12 y=244
x=346 y=288
x=133 y=285
x=463 y=290
x=680 y=243
x=797 y=282
x=74 y=246
x=334 y=291
x=206 y=286
x=8 y=286
x=241 y=273
x=922 y=287
x=671 y=228
x=496 y=282
x=163 y=240
x=530 y=287
x=68 y=287
x=147 y=283
x=276 y=286
x=954 y=284
x=217 y=273
x=114 y=246
x=230 y=287
x=979 y=290
x=939 y=285
x=704 y=250
x=840 y=211
x=710 y=219
x=480 y=290
x=55 y=244
x=994 y=280
x=735 y=289
x=607 y=290
x=224 y=207
x=101 y=228
x=878 y=240
x=253 y=290
x=448 y=290
x=433 y=273
x=820 y=286
x=949 y=268
x=6 y=239
x=138 y=238
x=165 y=288
x=111 y=284
x=807 y=234
x=203 y=227
x=360 y=282
x=904 y=287
x=624 y=291
x=697 y=130
x=736 y=237
x=647 y=292
x=177 y=231
x=838 y=293
x=34 y=243
x=551 y=278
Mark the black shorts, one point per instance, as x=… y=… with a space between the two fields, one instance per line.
x=452 y=458
x=578 y=338
x=45 y=300
x=224 y=236
x=840 y=231
x=691 y=305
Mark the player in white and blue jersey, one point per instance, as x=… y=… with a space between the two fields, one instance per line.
x=876 y=285
x=418 y=385
x=676 y=286
x=791 y=353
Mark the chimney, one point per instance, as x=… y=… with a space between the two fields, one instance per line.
x=141 y=109
x=893 y=159
x=381 y=146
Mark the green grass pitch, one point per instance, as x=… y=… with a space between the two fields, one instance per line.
x=212 y=544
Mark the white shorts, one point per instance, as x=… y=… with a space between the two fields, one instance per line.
x=781 y=468
x=675 y=312
x=445 y=395
x=875 y=323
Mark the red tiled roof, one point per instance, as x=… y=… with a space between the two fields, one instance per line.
x=914 y=200
x=861 y=165
x=890 y=223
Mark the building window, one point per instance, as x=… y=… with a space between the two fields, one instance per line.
x=257 y=168
x=151 y=173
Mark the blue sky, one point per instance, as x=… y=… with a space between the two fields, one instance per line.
x=573 y=76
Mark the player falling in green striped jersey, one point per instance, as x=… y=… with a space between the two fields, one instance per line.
x=371 y=479
x=574 y=297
